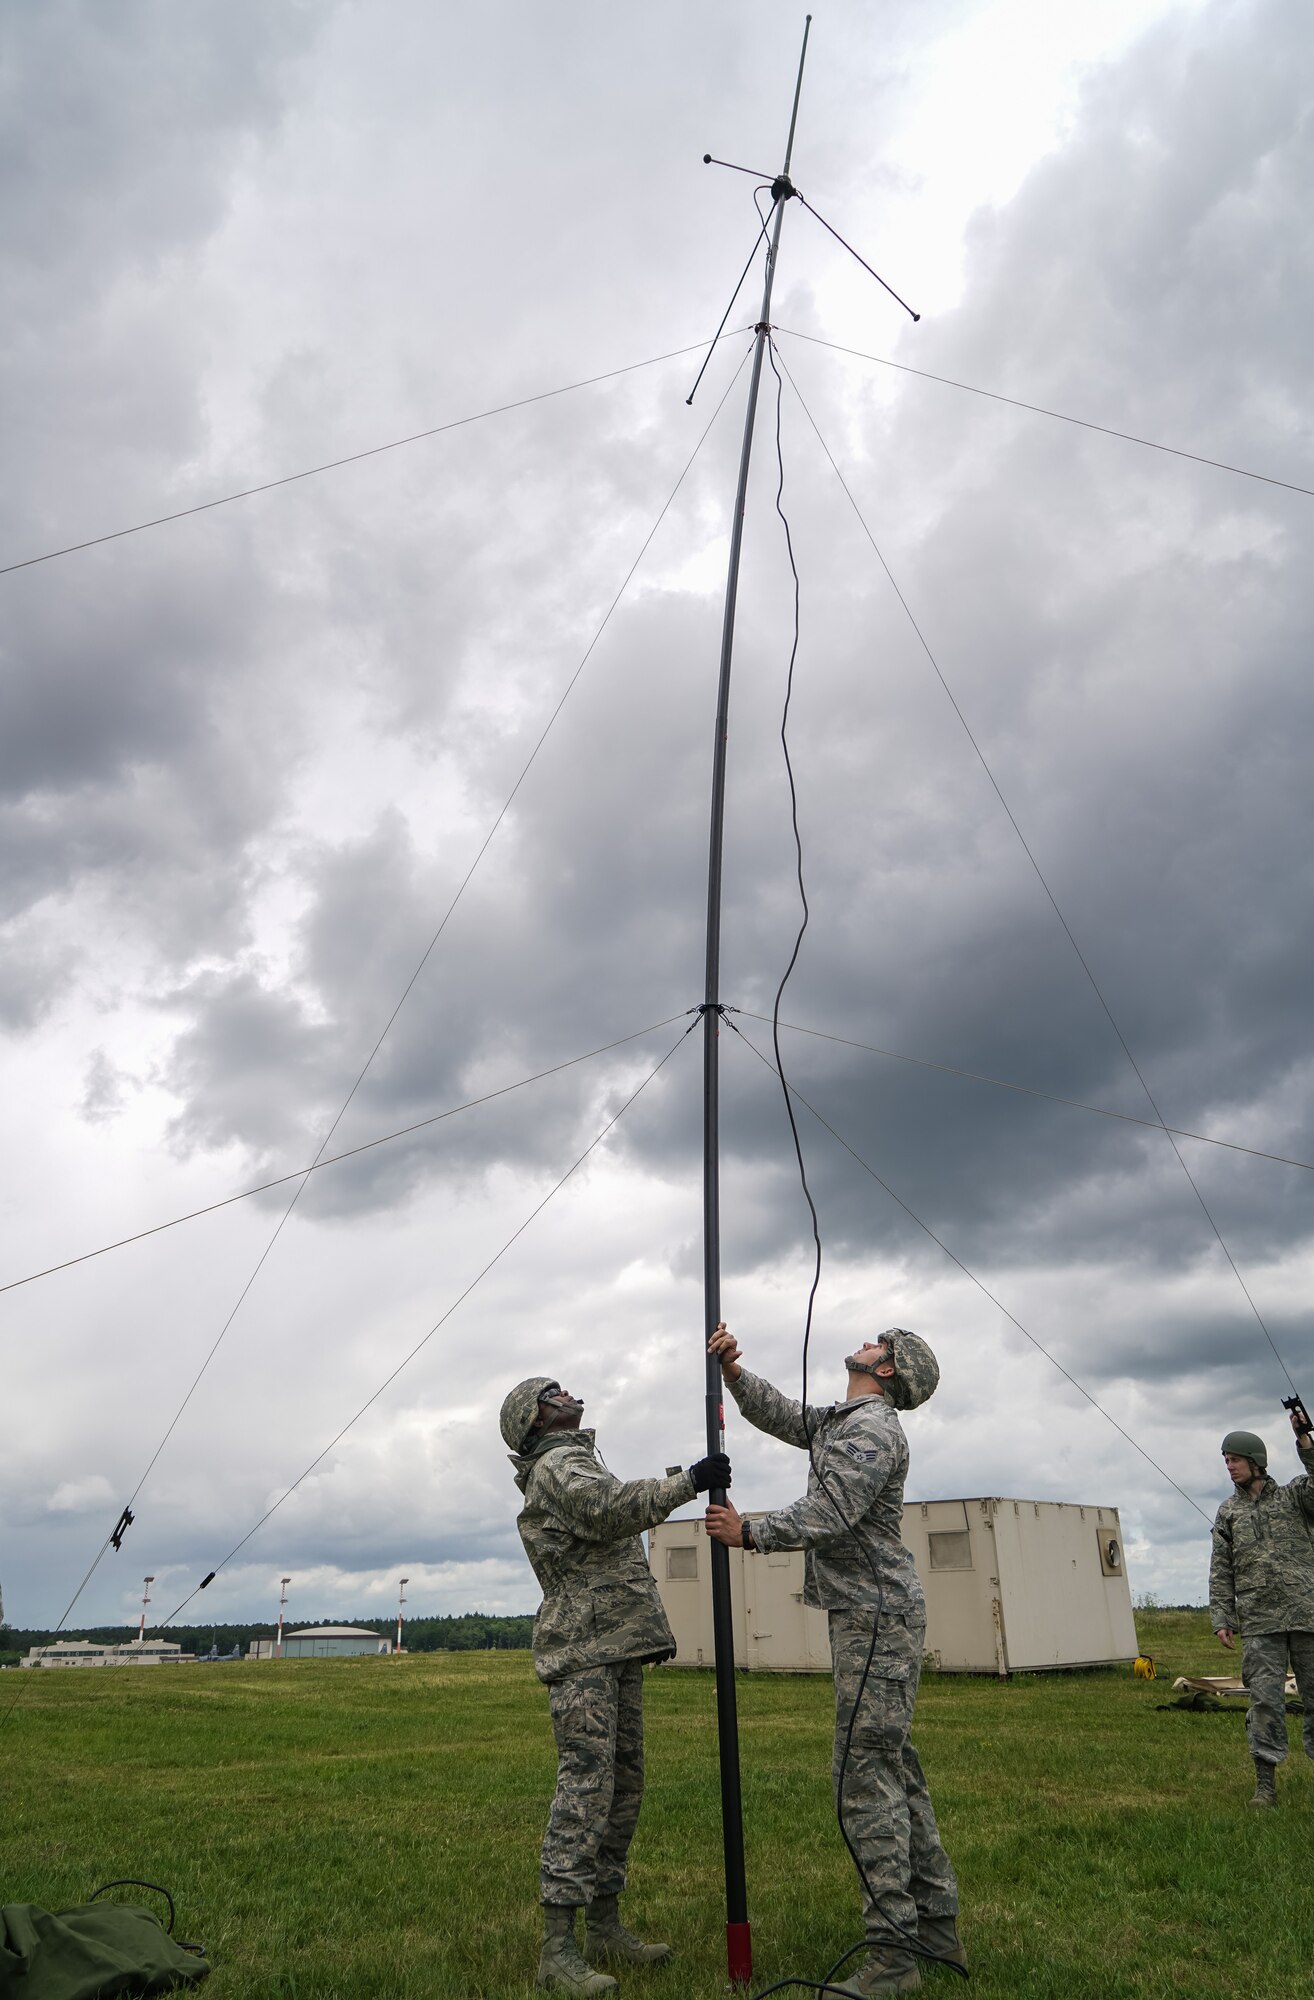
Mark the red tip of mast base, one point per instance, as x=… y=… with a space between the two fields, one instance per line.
x=739 y=1953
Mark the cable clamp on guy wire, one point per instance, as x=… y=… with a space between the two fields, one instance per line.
x=207 y=1579
x=125 y=1521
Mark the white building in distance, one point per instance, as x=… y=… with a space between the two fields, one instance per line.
x=86 y=1653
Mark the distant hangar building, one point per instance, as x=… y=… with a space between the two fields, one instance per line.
x=1012 y=1586
x=333 y=1642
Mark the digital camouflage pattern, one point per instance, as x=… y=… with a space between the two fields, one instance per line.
x=886 y=1806
x=597 y=1719
x=580 y=1526
x=916 y=1370
x=861 y=1453
x=1261 y=1576
x=1264 y=1671
x=520 y=1407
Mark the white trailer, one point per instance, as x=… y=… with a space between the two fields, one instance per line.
x=1011 y=1586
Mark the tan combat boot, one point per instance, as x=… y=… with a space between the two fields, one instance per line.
x=1265 y=1783
x=885 y=1970
x=560 y=1967
x=940 y=1936
x=608 y=1942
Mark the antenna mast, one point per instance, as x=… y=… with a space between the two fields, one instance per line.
x=739 y=1948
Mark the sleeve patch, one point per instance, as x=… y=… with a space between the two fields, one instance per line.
x=857 y=1452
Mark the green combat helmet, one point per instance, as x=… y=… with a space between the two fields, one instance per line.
x=1244 y=1444
x=916 y=1370
x=519 y=1409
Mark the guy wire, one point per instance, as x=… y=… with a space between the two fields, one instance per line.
x=747 y=1014
x=460 y=1299
x=460 y=891
x=336 y=1159
x=1038 y=410
x=352 y=458
x=1028 y=1090
x=159 y=1625
x=908 y=1938
x=980 y=1284
x=1162 y=1124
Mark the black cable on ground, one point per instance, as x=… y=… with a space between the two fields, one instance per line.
x=447 y=914
x=1161 y=1123
x=1059 y=416
x=459 y=1300
x=352 y=458
x=1028 y=1090
x=336 y=1159
x=899 y=1934
x=967 y=1272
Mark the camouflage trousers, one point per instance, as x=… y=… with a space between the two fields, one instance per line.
x=1264 y=1671
x=886 y=1807
x=597 y=1719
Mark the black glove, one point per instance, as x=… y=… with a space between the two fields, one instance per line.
x=711 y=1471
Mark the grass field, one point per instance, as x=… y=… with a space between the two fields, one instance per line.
x=369 y=1827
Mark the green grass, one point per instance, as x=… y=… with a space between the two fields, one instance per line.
x=370 y=1827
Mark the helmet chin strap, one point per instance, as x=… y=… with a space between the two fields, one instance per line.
x=856 y=1366
x=859 y=1373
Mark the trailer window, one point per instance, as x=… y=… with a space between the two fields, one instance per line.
x=682 y=1562
x=951 y=1551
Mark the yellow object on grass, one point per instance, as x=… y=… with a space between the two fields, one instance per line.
x=1145 y=1669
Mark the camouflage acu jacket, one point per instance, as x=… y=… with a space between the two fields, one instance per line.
x=1261 y=1577
x=580 y=1527
x=861 y=1453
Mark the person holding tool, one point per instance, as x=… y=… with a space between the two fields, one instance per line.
x=600 y=1622
x=1261 y=1583
x=857 y=1569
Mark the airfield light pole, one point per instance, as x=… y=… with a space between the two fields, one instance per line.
x=401 y=1599
x=739 y=1945
x=278 y=1643
x=145 y=1600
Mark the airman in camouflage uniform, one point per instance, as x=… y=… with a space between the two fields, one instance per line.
x=600 y=1621
x=857 y=1569
x=1261 y=1583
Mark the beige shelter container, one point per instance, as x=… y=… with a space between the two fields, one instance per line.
x=1011 y=1586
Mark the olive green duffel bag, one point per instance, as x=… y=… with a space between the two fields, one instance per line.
x=94 y=1950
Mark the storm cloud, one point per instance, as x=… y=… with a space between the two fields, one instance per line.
x=249 y=759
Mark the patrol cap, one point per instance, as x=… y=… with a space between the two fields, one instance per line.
x=520 y=1407
x=916 y=1370
x=1244 y=1444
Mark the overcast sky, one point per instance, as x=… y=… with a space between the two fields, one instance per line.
x=248 y=758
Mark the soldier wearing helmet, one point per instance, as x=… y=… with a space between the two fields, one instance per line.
x=1261 y=1583
x=600 y=1622
x=857 y=1569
